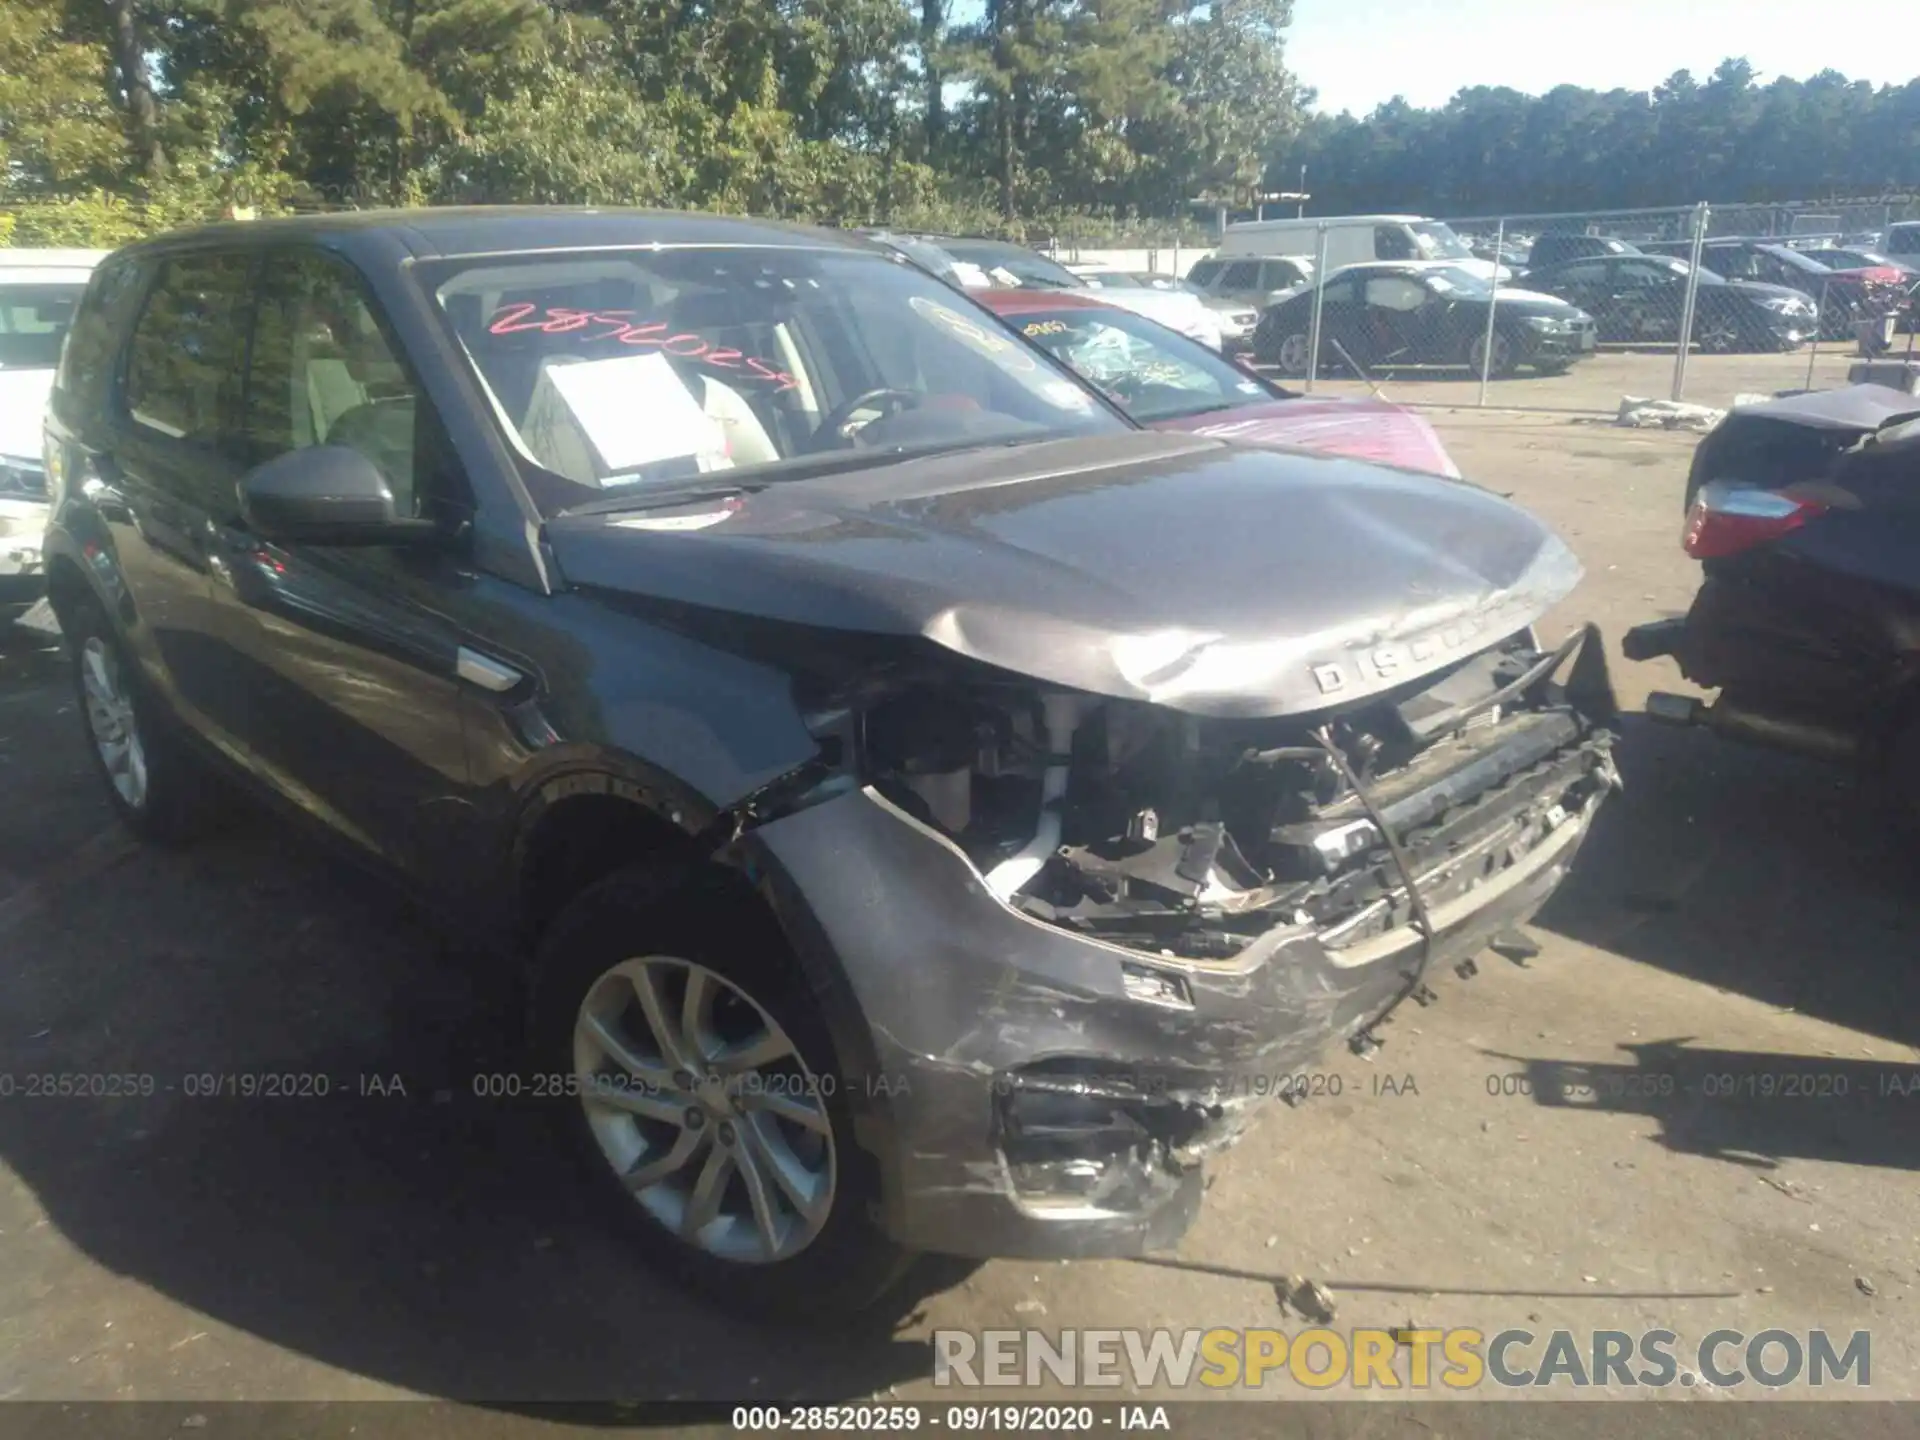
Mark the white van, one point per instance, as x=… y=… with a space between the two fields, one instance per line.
x=1358 y=240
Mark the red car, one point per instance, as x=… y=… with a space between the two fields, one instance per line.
x=1168 y=382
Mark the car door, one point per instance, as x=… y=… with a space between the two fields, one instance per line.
x=1590 y=284
x=1647 y=300
x=1397 y=328
x=1343 y=320
x=170 y=462
x=345 y=663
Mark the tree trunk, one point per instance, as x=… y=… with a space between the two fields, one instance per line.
x=934 y=125
x=131 y=58
x=1005 y=20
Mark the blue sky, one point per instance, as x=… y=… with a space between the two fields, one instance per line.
x=1358 y=53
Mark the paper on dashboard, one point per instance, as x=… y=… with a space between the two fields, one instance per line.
x=636 y=411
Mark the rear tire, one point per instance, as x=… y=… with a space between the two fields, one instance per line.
x=1504 y=361
x=747 y=1185
x=156 y=787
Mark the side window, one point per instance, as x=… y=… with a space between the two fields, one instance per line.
x=324 y=373
x=1244 y=275
x=86 y=363
x=1392 y=242
x=1643 y=276
x=1341 y=292
x=183 y=367
x=1396 y=292
x=1587 y=272
x=1204 y=272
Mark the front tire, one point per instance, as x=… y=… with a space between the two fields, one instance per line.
x=712 y=1117
x=1291 y=355
x=154 y=786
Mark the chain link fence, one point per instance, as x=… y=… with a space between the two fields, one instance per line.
x=1579 y=311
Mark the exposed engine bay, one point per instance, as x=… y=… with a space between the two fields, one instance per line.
x=1188 y=836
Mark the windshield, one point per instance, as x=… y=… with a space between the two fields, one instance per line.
x=635 y=369
x=33 y=322
x=1014 y=264
x=1438 y=242
x=1152 y=373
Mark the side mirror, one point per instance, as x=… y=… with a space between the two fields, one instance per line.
x=325 y=495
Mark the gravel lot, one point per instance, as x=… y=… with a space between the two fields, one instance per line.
x=1735 y=914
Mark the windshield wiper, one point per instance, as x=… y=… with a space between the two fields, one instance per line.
x=799 y=467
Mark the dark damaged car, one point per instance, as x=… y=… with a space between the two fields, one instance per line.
x=920 y=800
x=1802 y=512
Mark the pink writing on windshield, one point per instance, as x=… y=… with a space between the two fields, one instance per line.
x=619 y=326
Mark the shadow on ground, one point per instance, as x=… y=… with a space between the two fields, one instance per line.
x=1747 y=1107
x=1758 y=873
x=379 y=1215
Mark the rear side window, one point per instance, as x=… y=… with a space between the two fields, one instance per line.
x=1586 y=272
x=183 y=369
x=86 y=362
x=1903 y=240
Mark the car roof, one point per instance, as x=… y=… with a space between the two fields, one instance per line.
x=443 y=231
x=48 y=267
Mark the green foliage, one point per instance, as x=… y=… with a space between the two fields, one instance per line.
x=58 y=124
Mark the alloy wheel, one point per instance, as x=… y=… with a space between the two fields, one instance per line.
x=705 y=1109
x=113 y=722
x=1293 y=354
x=1718 y=335
x=1502 y=355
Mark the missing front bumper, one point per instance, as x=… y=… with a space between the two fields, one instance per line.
x=1020 y=1096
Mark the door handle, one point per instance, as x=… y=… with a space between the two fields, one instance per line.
x=486 y=673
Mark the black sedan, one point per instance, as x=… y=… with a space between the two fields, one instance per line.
x=1843 y=295
x=1424 y=315
x=1642 y=297
x=1800 y=511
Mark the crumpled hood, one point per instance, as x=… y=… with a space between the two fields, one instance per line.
x=1364 y=429
x=23 y=411
x=1168 y=568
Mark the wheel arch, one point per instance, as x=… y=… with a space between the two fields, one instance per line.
x=582 y=826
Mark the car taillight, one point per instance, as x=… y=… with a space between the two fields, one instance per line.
x=1726 y=519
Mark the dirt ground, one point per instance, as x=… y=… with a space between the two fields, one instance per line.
x=1735 y=915
x=1599 y=382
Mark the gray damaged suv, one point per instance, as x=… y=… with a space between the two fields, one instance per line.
x=924 y=806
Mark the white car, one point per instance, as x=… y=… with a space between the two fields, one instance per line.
x=39 y=290
x=1007 y=264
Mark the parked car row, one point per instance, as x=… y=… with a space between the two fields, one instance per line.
x=905 y=785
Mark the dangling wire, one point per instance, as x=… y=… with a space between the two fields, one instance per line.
x=1421 y=920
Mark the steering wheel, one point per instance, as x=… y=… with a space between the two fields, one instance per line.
x=837 y=424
